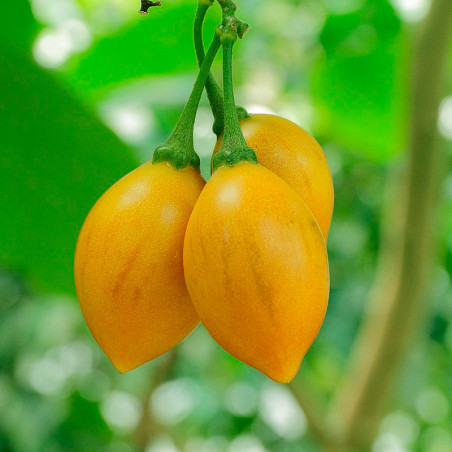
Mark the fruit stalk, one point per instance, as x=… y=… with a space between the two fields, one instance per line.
x=213 y=89
x=234 y=148
x=179 y=149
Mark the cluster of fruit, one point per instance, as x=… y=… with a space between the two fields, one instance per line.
x=245 y=253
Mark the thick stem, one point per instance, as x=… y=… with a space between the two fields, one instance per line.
x=398 y=300
x=179 y=149
x=234 y=148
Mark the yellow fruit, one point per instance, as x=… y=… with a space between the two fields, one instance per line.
x=295 y=156
x=128 y=264
x=256 y=268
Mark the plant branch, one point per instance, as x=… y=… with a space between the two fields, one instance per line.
x=315 y=419
x=147 y=427
x=397 y=300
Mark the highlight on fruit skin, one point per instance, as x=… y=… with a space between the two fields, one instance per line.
x=294 y=155
x=128 y=264
x=264 y=288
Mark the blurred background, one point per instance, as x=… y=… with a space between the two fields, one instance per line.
x=88 y=88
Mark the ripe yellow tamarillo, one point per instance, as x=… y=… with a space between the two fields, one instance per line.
x=128 y=264
x=264 y=288
x=294 y=155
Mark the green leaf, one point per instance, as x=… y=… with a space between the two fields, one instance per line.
x=56 y=160
x=360 y=84
x=160 y=43
x=18 y=25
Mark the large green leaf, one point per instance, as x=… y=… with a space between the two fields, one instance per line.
x=18 y=25
x=360 y=84
x=56 y=158
x=160 y=43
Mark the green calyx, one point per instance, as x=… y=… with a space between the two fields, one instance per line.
x=214 y=92
x=232 y=158
x=177 y=157
x=179 y=149
x=234 y=148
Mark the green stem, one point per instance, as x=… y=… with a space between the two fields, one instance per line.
x=233 y=137
x=179 y=149
x=213 y=89
x=234 y=148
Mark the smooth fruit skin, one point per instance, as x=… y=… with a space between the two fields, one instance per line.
x=294 y=155
x=128 y=264
x=256 y=268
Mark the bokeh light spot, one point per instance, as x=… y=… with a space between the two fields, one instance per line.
x=241 y=399
x=281 y=412
x=173 y=401
x=246 y=443
x=432 y=406
x=445 y=118
x=411 y=10
x=121 y=410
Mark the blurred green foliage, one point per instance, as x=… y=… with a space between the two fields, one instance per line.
x=88 y=89
x=54 y=157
